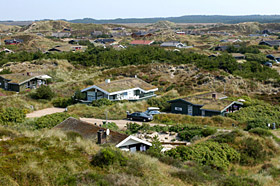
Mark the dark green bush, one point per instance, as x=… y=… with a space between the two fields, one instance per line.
x=252 y=152
x=208 y=131
x=101 y=102
x=215 y=155
x=109 y=156
x=11 y=115
x=43 y=92
x=62 y=102
x=49 y=121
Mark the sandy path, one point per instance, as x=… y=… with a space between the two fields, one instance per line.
x=44 y=112
x=121 y=123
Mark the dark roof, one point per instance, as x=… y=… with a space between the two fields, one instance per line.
x=270 y=43
x=13 y=41
x=104 y=41
x=207 y=102
x=88 y=130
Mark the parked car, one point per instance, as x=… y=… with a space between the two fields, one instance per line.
x=152 y=111
x=140 y=116
x=269 y=64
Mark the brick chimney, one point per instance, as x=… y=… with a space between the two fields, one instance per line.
x=101 y=137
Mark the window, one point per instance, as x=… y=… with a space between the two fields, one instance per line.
x=179 y=109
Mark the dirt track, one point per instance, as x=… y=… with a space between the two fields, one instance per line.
x=44 y=112
x=121 y=123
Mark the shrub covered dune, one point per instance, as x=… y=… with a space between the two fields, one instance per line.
x=52 y=157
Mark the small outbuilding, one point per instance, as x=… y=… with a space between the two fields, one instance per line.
x=208 y=104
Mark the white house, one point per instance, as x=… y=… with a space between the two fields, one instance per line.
x=131 y=89
x=133 y=144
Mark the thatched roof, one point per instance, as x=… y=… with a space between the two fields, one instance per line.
x=87 y=130
x=125 y=84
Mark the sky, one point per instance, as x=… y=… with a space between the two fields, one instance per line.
x=20 y=10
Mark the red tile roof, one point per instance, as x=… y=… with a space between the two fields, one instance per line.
x=141 y=42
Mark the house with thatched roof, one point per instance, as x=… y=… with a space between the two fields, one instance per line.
x=131 y=89
x=206 y=104
x=21 y=81
x=102 y=135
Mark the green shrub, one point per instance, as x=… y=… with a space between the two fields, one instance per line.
x=62 y=102
x=101 y=102
x=238 y=181
x=253 y=152
x=49 y=121
x=155 y=149
x=132 y=128
x=188 y=132
x=215 y=155
x=261 y=132
x=11 y=115
x=109 y=156
x=111 y=125
x=43 y=92
x=227 y=137
x=208 y=131
x=88 y=82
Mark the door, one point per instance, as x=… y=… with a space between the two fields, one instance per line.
x=190 y=110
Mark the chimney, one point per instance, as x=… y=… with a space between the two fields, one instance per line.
x=101 y=137
x=107 y=81
x=215 y=96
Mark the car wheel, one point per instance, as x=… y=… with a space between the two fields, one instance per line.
x=144 y=120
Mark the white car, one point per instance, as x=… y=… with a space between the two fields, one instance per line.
x=152 y=111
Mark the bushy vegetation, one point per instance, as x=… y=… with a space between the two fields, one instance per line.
x=111 y=125
x=258 y=116
x=243 y=49
x=109 y=156
x=252 y=151
x=43 y=92
x=49 y=121
x=62 y=102
x=216 y=155
x=101 y=102
x=97 y=56
x=11 y=115
x=173 y=119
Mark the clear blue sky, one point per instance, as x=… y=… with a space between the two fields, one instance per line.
x=106 y=9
